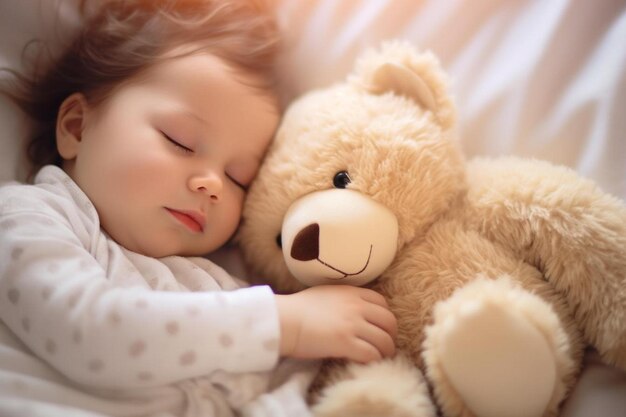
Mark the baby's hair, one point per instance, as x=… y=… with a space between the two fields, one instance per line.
x=124 y=37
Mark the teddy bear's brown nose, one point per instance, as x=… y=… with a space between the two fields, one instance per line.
x=306 y=243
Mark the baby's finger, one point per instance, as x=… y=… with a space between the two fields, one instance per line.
x=383 y=318
x=373 y=297
x=378 y=338
x=363 y=352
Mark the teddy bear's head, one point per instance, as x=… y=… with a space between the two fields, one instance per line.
x=355 y=172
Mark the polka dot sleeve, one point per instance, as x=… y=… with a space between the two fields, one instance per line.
x=60 y=302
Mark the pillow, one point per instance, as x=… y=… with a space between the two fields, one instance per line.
x=20 y=22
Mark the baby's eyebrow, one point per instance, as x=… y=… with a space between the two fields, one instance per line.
x=194 y=116
x=187 y=113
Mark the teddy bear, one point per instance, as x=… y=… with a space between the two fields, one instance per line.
x=500 y=272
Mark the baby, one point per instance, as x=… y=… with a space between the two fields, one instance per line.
x=150 y=128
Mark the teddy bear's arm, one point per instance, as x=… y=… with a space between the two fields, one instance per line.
x=566 y=227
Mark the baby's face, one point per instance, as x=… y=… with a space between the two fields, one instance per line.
x=167 y=157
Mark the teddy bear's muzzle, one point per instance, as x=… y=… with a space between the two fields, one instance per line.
x=338 y=236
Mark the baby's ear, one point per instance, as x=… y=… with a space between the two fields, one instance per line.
x=397 y=67
x=70 y=123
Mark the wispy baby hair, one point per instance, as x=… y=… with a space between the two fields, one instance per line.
x=122 y=38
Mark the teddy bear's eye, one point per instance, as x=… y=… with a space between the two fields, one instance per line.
x=341 y=179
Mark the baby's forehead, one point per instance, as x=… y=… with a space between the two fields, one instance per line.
x=205 y=67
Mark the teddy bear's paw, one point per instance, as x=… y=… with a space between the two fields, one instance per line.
x=389 y=388
x=493 y=353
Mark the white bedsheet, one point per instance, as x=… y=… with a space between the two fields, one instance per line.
x=545 y=79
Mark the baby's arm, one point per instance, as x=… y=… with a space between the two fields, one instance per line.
x=336 y=321
x=61 y=303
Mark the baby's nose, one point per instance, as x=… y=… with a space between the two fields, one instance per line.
x=209 y=184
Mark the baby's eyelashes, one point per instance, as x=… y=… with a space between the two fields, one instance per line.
x=176 y=143
x=244 y=187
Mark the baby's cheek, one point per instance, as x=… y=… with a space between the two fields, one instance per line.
x=230 y=216
x=151 y=171
x=232 y=212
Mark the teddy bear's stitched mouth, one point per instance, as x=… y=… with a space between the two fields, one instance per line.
x=347 y=274
x=306 y=247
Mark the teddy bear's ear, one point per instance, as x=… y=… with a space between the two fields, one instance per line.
x=399 y=79
x=397 y=67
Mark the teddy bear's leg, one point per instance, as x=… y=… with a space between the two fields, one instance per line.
x=568 y=229
x=497 y=350
x=388 y=388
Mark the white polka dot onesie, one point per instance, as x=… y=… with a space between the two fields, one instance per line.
x=95 y=327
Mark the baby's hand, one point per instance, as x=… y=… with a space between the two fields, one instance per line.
x=337 y=321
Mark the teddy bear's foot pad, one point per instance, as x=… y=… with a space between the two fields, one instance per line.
x=389 y=388
x=495 y=357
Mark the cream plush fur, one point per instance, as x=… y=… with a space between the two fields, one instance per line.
x=504 y=270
